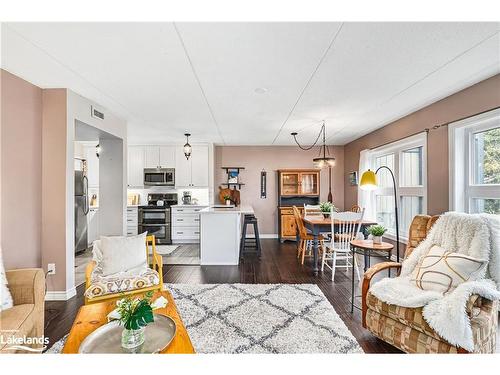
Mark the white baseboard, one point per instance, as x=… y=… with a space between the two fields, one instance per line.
x=60 y=295
x=263 y=236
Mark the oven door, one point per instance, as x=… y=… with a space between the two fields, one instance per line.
x=154 y=216
x=154 y=177
x=162 y=233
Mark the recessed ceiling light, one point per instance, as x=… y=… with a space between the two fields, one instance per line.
x=260 y=90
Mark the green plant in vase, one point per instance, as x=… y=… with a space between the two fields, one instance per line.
x=377 y=231
x=227 y=199
x=135 y=315
x=326 y=208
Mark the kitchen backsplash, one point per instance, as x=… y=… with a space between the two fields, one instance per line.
x=201 y=195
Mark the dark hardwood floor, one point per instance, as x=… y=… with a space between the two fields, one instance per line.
x=277 y=265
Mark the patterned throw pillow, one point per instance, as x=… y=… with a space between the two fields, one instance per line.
x=5 y=296
x=443 y=271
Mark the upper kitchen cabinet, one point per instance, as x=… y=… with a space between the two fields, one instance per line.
x=192 y=172
x=92 y=166
x=135 y=166
x=199 y=164
x=159 y=156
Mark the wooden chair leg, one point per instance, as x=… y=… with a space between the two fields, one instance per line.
x=299 y=248
x=303 y=252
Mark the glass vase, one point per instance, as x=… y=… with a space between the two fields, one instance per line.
x=133 y=339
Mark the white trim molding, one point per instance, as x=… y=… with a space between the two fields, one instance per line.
x=461 y=161
x=397 y=148
x=60 y=295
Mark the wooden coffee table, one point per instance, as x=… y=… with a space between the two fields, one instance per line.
x=91 y=317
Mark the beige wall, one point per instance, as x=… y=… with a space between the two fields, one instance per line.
x=475 y=99
x=54 y=210
x=21 y=171
x=272 y=158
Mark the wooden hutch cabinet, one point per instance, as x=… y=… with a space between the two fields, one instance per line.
x=296 y=187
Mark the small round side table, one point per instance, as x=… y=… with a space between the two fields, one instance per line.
x=368 y=249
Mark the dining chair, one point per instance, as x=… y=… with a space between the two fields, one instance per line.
x=355 y=208
x=345 y=227
x=305 y=238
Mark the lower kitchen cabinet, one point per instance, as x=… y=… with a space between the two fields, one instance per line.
x=186 y=224
x=132 y=221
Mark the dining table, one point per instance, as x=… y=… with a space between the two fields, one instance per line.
x=318 y=224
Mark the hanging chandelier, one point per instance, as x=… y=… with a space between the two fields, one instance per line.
x=324 y=159
x=187 y=147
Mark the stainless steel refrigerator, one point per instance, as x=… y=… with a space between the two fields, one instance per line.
x=81 y=211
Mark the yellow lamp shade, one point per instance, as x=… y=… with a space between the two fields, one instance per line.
x=368 y=180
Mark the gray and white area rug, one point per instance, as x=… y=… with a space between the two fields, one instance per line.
x=258 y=318
x=261 y=318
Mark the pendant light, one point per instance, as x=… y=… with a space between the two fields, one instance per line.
x=187 y=147
x=324 y=160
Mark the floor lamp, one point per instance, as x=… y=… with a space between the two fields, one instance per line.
x=369 y=182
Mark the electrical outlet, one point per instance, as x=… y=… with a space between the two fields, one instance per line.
x=51 y=269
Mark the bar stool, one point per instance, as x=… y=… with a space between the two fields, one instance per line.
x=250 y=243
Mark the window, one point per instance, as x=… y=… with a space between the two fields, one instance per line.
x=475 y=164
x=406 y=158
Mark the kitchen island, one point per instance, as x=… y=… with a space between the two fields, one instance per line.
x=220 y=228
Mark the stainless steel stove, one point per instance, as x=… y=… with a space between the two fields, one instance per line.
x=156 y=217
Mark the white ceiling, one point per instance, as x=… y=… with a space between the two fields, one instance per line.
x=355 y=76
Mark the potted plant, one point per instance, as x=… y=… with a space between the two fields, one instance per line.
x=377 y=231
x=227 y=199
x=326 y=208
x=135 y=315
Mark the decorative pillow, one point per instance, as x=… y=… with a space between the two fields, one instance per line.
x=5 y=296
x=96 y=251
x=443 y=271
x=121 y=254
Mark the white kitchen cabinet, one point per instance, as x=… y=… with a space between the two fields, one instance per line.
x=151 y=157
x=186 y=224
x=182 y=168
x=167 y=156
x=135 y=166
x=132 y=221
x=92 y=166
x=159 y=157
x=93 y=225
x=199 y=166
x=194 y=171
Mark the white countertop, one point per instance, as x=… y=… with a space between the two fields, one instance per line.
x=189 y=205
x=221 y=209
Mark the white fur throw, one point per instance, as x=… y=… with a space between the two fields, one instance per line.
x=477 y=236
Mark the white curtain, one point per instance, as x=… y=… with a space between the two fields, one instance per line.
x=366 y=199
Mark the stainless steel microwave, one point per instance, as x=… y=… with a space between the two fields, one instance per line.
x=159 y=177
